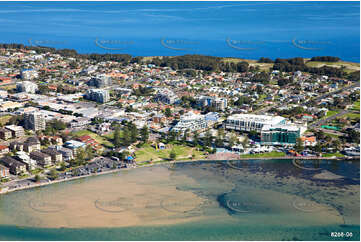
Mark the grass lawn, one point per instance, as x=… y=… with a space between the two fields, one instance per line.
x=265 y=155
x=332 y=135
x=183 y=152
x=4 y=119
x=337 y=154
x=331 y=113
x=101 y=140
x=352 y=115
x=356 y=106
x=350 y=66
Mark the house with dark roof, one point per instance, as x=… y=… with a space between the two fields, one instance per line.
x=16 y=167
x=41 y=158
x=5 y=134
x=56 y=157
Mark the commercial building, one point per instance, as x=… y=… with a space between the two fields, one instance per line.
x=26 y=86
x=190 y=121
x=281 y=134
x=252 y=122
x=35 y=121
x=98 y=95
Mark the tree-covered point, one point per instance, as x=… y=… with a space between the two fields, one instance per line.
x=200 y=62
x=325 y=58
x=298 y=64
x=265 y=60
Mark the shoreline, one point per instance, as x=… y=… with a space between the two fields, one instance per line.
x=6 y=191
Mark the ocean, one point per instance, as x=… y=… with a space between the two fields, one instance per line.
x=247 y=30
x=205 y=200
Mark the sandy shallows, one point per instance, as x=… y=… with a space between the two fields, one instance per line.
x=140 y=197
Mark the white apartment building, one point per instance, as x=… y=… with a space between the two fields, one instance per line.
x=35 y=121
x=29 y=74
x=98 y=95
x=26 y=86
x=190 y=121
x=249 y=122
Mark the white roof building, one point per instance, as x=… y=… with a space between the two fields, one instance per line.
x=249 y=122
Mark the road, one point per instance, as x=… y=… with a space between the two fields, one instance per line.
x=318 y=98
x=330 y=118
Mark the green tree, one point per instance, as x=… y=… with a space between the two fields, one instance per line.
x=126 y=140
x=37 y=178
x=208 y=138
x=195 y=138
x=185 y=135
x=53 y=174
x=167 y=112
x=318 y=148
x=144 y=133
x=80 y=157
x=299 y=145
x=172 y=154
x=232 y=140
x=62 y=166
x=133 y=132
x=89 y=152
x=117 y=139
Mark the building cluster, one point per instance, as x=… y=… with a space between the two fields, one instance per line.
x=99 y=95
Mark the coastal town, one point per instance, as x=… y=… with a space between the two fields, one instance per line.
x=64 y=115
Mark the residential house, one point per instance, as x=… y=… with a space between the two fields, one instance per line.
x=56 y=157
x=41 y=158
x=4 y=171
x=25 y=158
x=4 y=149
x=16 y=146
x=16 y=131
x=16 y=167
x=5 y=134
x=31 y=144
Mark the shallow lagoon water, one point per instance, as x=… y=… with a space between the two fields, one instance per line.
x=235 y=200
